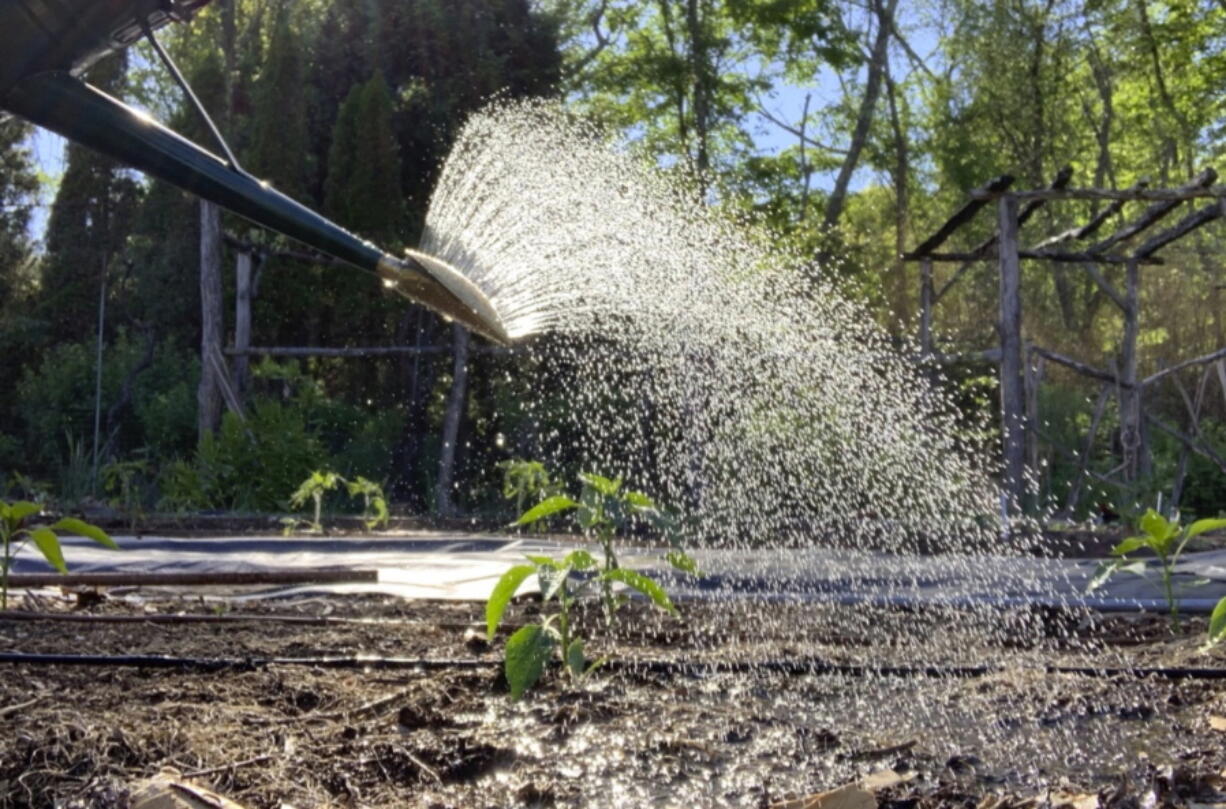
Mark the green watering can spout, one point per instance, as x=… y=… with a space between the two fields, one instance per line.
x=40 y=51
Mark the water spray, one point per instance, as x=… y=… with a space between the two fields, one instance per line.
x=44 y=47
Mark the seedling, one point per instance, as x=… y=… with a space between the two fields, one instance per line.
x=313 y=489
x=1166 y=539
x=374 y=504
x=603 y=508
x=524 y=481
x=375 y=513
x=15 y=533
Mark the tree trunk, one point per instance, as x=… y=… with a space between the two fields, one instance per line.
x=1012 y=396
x=902 y=173
x=701 y=70
x=451 y=423
x=864 y=118
x=208 y=395
x=242 y=321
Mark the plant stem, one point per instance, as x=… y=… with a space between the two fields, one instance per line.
x=1169 y=587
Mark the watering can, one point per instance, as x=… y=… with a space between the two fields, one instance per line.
x=46 y=44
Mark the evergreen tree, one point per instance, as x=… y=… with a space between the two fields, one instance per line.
x=18 y=186
x=278 y=150
x=89 y=222
x=362 y=191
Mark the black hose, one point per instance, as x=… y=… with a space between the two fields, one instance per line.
x=798 y=667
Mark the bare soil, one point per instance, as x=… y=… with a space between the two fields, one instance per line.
x=678 y=732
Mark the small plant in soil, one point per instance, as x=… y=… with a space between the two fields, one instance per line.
x=526 y=481
x=16 y=530
x=375 y=513
x=1166 y=539
x=603 y=509
x=374 y=504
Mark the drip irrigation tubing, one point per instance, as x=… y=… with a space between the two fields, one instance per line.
x=798 y=667
x=233 y=618
x=328 y=575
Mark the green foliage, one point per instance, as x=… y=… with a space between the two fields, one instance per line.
x=603 y=508
x=313 y=489
x=526 y=482
x=1166 y=539
x=247 y=465
x=16 y=530
x=124 y=481
x=375 y=513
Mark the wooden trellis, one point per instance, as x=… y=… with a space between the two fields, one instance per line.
x=1022 y=366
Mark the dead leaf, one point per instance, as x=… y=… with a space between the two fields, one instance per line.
x=848 y=796
x=1218 y=723
x=884 y=779
x=1074 y=800
x=167 y=791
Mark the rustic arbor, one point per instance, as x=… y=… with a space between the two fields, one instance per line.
x=1021 y=365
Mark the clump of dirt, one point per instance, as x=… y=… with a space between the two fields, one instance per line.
x=675 y=730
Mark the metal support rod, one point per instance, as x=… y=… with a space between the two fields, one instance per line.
x=191 y=95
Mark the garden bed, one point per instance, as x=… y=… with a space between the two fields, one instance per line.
x=966 y=714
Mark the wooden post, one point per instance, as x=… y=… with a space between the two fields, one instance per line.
x=242 y=322
x=208 y=395
x=1130 y=394
x=1012 y=393
x=451 y=423
x=925 y=324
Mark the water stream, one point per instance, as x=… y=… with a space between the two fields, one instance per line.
x=688 y=352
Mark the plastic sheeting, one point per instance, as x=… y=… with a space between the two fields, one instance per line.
x=458 y=566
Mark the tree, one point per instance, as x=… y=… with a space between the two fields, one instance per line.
x=87 y=227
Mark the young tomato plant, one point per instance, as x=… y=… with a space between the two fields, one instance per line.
x=374 y=503
x=602 y=509
x=1166 y=539
x=375 y=513
x=15 y=532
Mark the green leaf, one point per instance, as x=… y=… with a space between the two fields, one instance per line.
x=1217 y=622
x=49 y=544
x=1156 y=525
x=644 y=585
x=22 y=509
x=1129 y=545
x=543 y=561
x=546 y=508
x=683 y=562
x=72 y=525
x=601 y=484
x=579 y=560
x=1201 y=526
x=502 y=594
x=1104 y=571
x=638 y=500
x=556 y=581
x=575 y=661
x=1136 y=568
x=527 y=651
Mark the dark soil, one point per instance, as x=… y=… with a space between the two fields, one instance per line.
x=306 y=736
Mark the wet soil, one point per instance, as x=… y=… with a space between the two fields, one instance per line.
x=711 y=710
